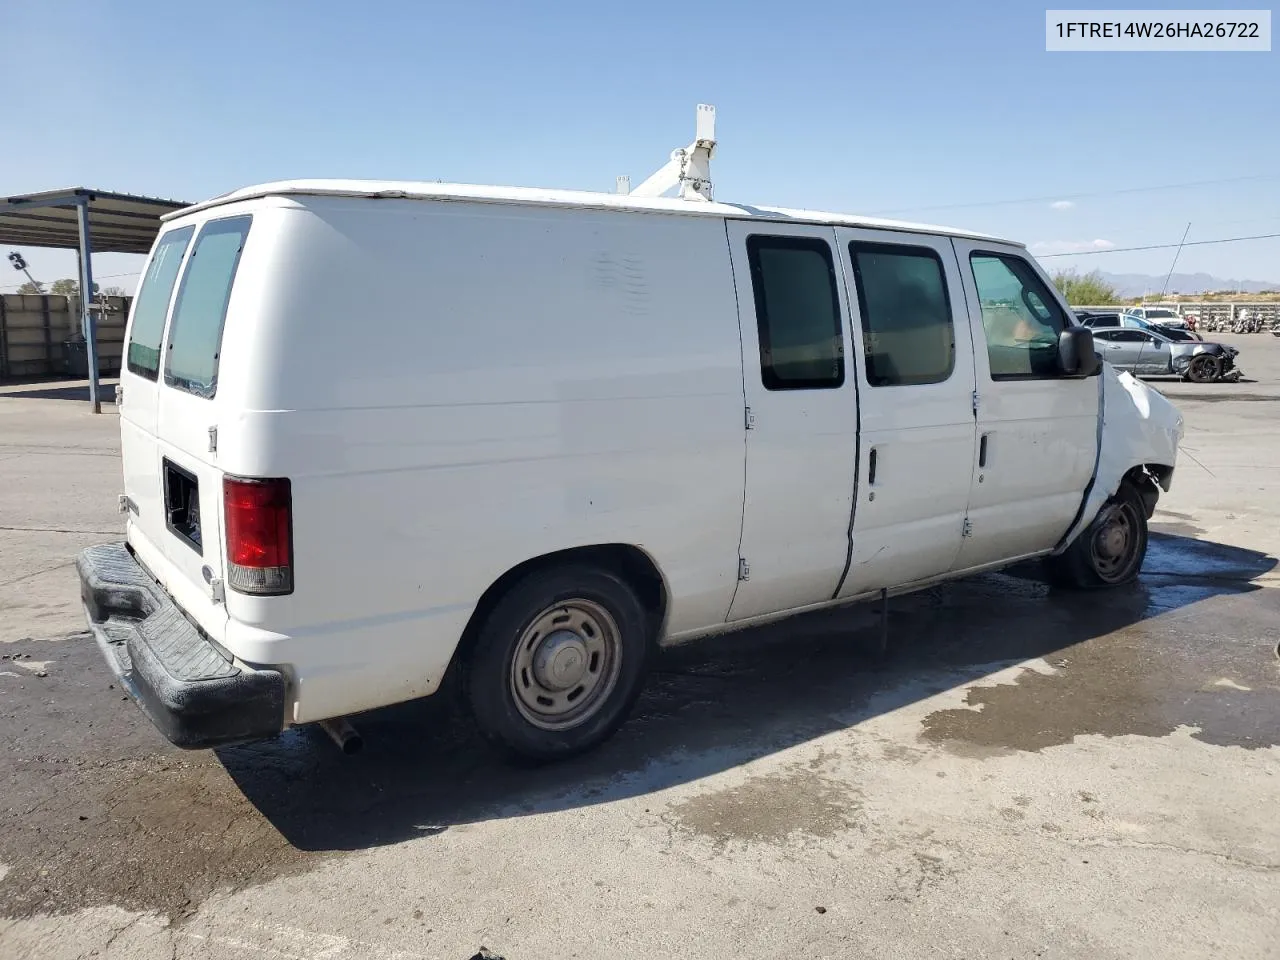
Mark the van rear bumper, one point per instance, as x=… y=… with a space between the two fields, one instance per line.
x=194 y=694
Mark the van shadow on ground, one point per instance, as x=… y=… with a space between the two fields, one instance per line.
x=1141 y=660
x=43 y=389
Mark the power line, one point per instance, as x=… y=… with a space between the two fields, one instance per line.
x=1177 y=253
x=96 y=278
x=1158 y=246
x=1082 y=196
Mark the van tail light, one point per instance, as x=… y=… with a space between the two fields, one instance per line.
x=259 y=517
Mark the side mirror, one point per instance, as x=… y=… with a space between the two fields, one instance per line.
x=1076 y=353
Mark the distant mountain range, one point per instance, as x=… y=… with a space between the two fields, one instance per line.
x=1140 y=284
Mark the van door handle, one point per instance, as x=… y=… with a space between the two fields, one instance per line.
x=871 y=468
x=982 y=451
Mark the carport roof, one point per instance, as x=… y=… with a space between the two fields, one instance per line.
x=118 y=222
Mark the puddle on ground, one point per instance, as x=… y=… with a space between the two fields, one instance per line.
x=1131 y=682
x=98 y=811
x=1175 y=524
x=771 y=808
x=1201 y=655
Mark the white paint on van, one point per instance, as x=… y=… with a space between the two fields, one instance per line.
x=567 y=199
x=457 y=380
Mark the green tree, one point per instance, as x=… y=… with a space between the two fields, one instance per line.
x=1087 y=290
x=66 y=287
x=29 y=287
x=111 y=292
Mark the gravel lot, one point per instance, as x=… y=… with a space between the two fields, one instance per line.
x=1028 y=774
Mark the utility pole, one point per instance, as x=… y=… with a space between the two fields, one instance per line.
x=1169 y=275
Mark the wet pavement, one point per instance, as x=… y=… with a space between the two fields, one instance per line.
x=109 y=814
x=1027 y=772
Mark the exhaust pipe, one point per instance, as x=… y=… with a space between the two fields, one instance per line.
x=344 y=735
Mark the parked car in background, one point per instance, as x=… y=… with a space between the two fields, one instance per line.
x=1160 y=315
x=1177 y=334
x=1102 y=320
x=1090 y=318
x=1147 y=353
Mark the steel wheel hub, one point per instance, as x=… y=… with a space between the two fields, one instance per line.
x=560 y=660
x=566 y=664
x=1114 y=539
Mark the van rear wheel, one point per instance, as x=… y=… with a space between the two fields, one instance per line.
x=1109 y=552
x=558 y=663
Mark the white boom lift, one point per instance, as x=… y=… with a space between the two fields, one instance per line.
x=689 y=167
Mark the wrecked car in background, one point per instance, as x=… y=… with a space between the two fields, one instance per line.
x=1146 y=353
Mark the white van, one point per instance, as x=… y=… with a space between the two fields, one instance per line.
x=374 y=433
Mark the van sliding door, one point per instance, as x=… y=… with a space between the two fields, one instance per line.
x=916 y=375
x=801 y=422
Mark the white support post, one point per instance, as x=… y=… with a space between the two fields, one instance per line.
x=689 y=168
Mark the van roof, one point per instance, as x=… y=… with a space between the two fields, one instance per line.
x=417 y=190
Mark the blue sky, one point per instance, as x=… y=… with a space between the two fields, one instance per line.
x=936 y=111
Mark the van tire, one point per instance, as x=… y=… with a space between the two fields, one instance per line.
x=1109 y=552
x=572 y=629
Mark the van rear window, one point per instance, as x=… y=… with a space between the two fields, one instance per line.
x=195 y=332
x=147 y=334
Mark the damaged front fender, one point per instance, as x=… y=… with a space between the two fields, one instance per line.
x=1138 y=429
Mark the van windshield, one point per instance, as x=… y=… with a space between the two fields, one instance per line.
x=195 y=333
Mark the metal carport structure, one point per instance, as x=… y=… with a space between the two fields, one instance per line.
x=87 y=221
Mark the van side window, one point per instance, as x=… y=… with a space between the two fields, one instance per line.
x=797 y=313
x=1021 y=318
x=143 y=355
x=907 y=330
x=195 y=333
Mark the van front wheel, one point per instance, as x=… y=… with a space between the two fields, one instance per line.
x=558 y=663
x=1110 y=551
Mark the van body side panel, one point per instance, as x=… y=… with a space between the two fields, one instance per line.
x=453 y=389
x=802 y=447
x=911 y=327
x=1041 y=428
